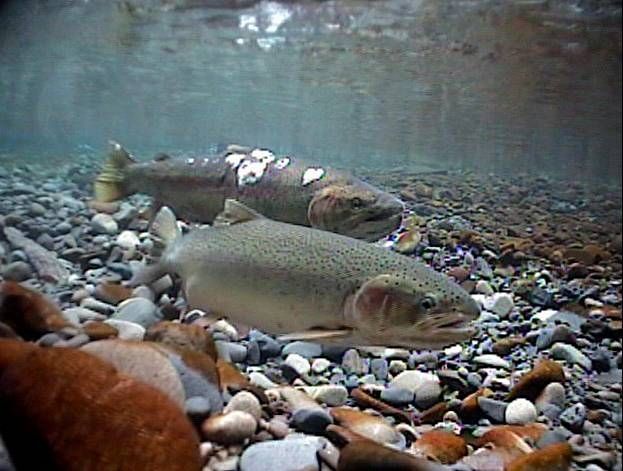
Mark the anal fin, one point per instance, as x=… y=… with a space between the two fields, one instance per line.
x=317 y=335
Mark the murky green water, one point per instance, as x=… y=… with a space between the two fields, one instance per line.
x=504 y=86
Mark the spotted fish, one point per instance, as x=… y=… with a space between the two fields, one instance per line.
x=309 y=284
x=284 y=189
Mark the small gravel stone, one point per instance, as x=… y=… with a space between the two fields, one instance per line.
x=353 y=363
x=500 y=304
x=291 y=454
x=197 y=408
x=246 y=402
x=128 y=240
x=492 y=360
x=104 y=224
x=379 y=368
x=520 y=412
x=260 y=379
x=127 y=330
x=320 y=365
x=397 y=366
x=573 y=418
x=231 y=351
x=483 y=287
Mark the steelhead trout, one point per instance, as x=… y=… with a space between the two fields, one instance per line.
x=307 y=283
x=284 y=189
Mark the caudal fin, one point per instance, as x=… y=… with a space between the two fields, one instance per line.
x=108 y=185
x=164 y=231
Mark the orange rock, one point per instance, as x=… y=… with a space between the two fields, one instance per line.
x=6 y=332
x=511 y=438
x=364 y=399
x=187 y=336
x=112 y=293
x=470 y=410
x=29 y=313
x=76 y=412
x=556 y=457
x=233 y=380
x=198 y=361
x=367 y=455
x=441 y=446
x=97 y=330
x=433 y=414
x=504 y=346
x=532 y=383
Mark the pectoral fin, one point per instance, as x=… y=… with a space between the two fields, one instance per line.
x=316 y=334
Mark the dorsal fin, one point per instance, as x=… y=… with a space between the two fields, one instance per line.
x=235 y=212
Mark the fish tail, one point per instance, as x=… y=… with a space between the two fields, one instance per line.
x=109 y=184
x=164 y=231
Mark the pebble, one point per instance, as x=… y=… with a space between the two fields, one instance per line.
x=307 y=415
x=197 y=408
x=246 y=402
x=492 y=360
x=260 y=379
x=104 y=224
x=305 y=349
x=127 y=330
x=353 y=363
x=128 y=240
x=17 y=271
x=298 y=364
x=231 y=351
x=520 y=412
x=379 y=368
x=484 y=287
x=397 y=366
x=320 y=365
x=229 y=429
x=332 y=395
x=564 y=351
x=500 y=304
x=292 y=454
x=138 y=310
x=425 y=386
x=553 y=394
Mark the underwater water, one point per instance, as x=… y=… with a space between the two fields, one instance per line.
x=357 y=234
x=495 y=85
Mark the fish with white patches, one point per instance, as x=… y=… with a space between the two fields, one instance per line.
x=309 y=284
x=285 y=189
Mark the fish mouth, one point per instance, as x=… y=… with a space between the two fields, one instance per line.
x=379 y=224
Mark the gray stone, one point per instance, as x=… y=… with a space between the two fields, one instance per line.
x=397 y=396
x=298 y=364
x=260 y=379
x=311 y=420
x=82 y=314
x=304 y=349
x=195 y=384
x=500 y=304
x=17 y=271
x=425 y=386
x=230 y=351
x=494 y=409
x=127 y=330
x=246 y=402
x=553 y=394
x=291 y=454
x=36 y=209
x=332 y=395
x=492 y=360
x=140 y=311
x=197 y=408
x=557 y=435
x=564 y=351
x=320 y=365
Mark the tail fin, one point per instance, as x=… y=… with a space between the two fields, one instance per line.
x=164 y=231
x=109 y=183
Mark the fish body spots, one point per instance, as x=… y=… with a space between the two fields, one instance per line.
x=312 y=174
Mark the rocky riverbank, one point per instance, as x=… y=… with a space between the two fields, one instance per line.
x=538 y=387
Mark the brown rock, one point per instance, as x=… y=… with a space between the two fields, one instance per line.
x=73 y=410
x=532 y=383
x=29 y=313
x=512 y=436
x=588 y=255
x=97 y=330
x=365 y=400
x=6 y=332
x=112 y=293
x=556 y=457
x=186 y=336
x=441 y=446
x=103 y=207
x=367 y=455
x=366 y=425
x=460 y=274
x=504 y=346
x=433 y=414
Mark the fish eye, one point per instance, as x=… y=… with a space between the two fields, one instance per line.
x=428 y=302
x=356 y=203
